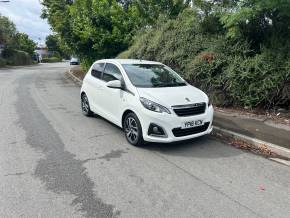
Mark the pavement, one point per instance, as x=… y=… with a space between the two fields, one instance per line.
x=55 y=162
x=264 y=130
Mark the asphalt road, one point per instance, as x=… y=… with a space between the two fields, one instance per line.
x=54 y=162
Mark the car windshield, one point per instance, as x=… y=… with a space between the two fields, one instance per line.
x=152 y=75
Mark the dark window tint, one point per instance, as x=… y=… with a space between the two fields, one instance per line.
x=97 y=70
x=111 y=72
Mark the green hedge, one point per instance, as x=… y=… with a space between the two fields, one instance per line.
x=229 y=71
x=16 y=57
x=51 y=60
x=2 y=62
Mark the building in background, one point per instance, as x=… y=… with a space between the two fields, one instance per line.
x=42 y=52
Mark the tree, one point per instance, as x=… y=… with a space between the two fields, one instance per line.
x=258 y=20
x=150 y=10
x=102 y=29
x=7 y=30
x=92 y=29
x=18 y=47
x=56 y=46
x=13 y=39
x=24 y=43
x=52 y=43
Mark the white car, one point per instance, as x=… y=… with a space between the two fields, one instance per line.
x=147 y=99
x=74 y=61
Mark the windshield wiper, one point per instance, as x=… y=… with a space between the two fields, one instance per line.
x=179 y=84
x=160 y=85
x=169 y=85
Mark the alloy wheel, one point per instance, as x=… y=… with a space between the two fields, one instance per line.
x=131 y=130
x=85 y=104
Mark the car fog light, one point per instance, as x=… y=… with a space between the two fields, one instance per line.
x=155 y=130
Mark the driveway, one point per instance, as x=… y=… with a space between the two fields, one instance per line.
x=55 y=162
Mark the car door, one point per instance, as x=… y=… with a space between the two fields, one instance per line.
x=94 y=87
x=112 y=99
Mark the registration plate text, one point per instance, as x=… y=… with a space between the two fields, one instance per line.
x=190 y=124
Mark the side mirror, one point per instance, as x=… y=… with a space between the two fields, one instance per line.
x=114 y=84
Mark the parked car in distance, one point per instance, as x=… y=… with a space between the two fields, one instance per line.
x=147 y=99
x=74 y=61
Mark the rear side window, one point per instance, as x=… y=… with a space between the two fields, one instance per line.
x=111 y=72
x=97 y=70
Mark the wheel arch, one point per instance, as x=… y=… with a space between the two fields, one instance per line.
x=83 y=93
x=127 y=111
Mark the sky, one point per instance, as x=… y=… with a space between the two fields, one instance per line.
x=25 y=14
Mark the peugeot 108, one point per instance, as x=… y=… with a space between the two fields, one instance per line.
x=147 y=99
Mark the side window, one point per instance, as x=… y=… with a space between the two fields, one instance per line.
x=111 y=72
x=97 y=70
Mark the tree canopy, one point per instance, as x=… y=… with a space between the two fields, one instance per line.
x=7 y=30
x=24 y=43
x=95 y=29
x=56 y=46
x=258 y=20
x=18 y=47
x=12 y=39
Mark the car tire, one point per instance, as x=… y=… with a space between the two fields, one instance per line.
x=86 y=106
x=133 y=130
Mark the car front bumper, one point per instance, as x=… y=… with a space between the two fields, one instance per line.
x=171 y=121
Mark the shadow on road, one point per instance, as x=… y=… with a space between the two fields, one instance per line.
x=202 y=147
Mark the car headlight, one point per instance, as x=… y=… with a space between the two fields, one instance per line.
x=150 y=105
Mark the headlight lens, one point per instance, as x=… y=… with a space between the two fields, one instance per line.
x=150 y=105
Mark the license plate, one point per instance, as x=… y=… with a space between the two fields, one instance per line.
x=190 y=124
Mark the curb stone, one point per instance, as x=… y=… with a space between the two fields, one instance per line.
x=259 y=144
x=74 y=78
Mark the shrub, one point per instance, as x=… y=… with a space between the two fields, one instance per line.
x=51 y=60
x=2 y=62
x=206 y=72
x=244 y=80
x=123 y=55
x=228 y=70
x=16 y=57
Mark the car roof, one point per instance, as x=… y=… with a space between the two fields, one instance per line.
x=129 y=61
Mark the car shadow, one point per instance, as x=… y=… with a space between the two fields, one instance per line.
x=202 y=147
x=106 y=123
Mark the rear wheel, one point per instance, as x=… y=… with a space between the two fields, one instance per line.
x=86 y=106
x=133 y=130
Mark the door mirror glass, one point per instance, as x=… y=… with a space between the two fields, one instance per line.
x=114 y=84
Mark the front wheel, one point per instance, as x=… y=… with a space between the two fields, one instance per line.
x=86 y=106
x=133 y=130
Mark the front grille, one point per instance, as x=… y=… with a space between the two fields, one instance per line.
x=189 y=110
x=179 y=132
